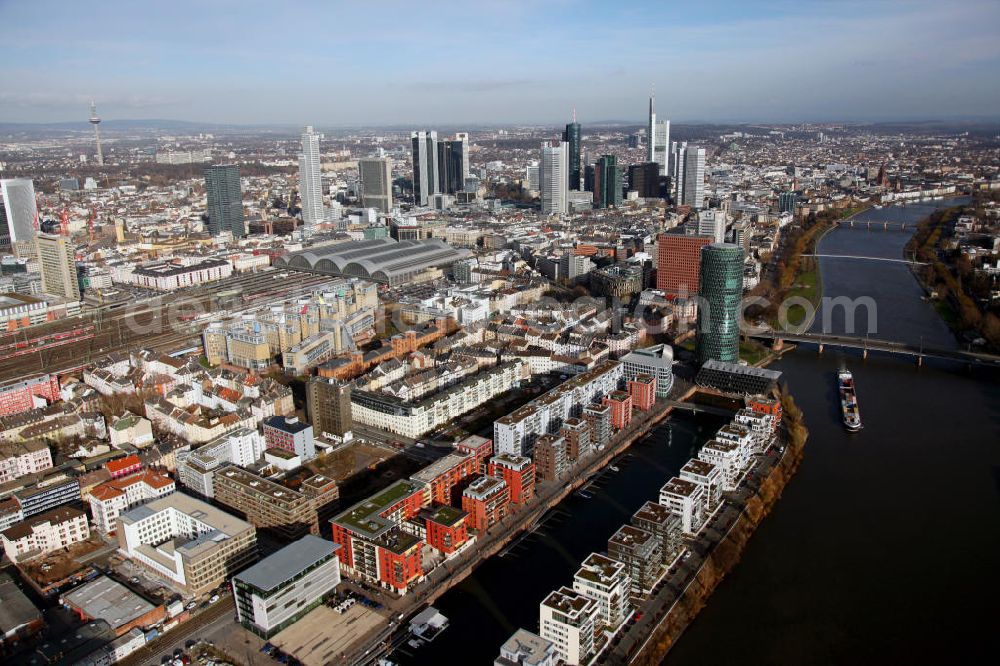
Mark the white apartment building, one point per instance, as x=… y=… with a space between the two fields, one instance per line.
x=742 y=437
x=687 y=500
x=606 y=581
x=516 y=433
x=569 y=619
x=19 y=459
x=524 y=648
x=726 y=456
x=45 y=532
x=761 y=427
x=109 y=500
x=708 y=476
x=414 y=419
x=280 y=589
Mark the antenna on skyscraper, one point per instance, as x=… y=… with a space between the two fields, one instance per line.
x=574 y=114
x=95 y=120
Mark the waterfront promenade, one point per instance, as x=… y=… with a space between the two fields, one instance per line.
x=549 y=494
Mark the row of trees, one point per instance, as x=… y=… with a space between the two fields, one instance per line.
x=952 y=276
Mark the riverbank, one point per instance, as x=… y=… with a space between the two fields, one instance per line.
x=452 y=573
x=726 y=554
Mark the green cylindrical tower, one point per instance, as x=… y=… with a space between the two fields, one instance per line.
x=720 y=289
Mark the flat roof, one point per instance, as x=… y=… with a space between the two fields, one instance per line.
x=440 y=466
x=364 y=516
x=287 y=563
x=107 y=599
x=224 y=522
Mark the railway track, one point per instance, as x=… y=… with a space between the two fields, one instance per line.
x=165 y=323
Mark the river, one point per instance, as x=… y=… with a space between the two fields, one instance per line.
x=882 y=548
x=504 y=592
x=885 y=546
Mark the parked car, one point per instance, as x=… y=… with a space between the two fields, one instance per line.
x=213 y=598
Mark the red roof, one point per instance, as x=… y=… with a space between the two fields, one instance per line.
x=122 y=464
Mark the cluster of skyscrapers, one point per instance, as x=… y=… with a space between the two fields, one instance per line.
x=439 y=166
x=672 y=169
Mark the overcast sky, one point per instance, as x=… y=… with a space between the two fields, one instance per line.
x=384 y=62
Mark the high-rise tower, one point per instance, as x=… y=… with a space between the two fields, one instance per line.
x=552 y=177
x=572 y=137
x=425 y=166
x=95 y=120
x=651 y=130
x=720 y=288
x=310 y=182
x=225 y=200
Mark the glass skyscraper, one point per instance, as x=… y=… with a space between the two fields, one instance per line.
x=225 y=200
x=607 y=182
x=572 y=137
x=720 y=288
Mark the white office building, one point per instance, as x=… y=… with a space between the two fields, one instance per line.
x=18 y=210
x=310 y=180
x=712 y=223
x=552 y=177
x=282 y=588
x=657 y=361
x=688 y=172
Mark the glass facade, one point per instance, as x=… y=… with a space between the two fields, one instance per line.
x=720 y=288
x=225 y=200
x=572 y=137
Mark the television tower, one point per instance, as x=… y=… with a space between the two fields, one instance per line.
x=95 y=121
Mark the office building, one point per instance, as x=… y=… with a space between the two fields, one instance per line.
x=225 y=200
x=290 y=434
x=280 y=589
x=531 y=178
x=287 y=514
x=328 y=402
x=657 y=139
x=570 y=619
x=721 y=289
x=310 y=180
x=571 y=136
x=190 y=543
x=58 y=266
x=47 y=493
x=606 y=581
x=607 y=182
x=553 y=178
x=657 y=361
x=688 y=176
x=18 y=211
x=376 y=183
x=45 y=532
x=425 y=166
x=463 y=138
x=736 y=378
x=712 y=223
x=787 y=202
x=450 y=166
x=678 y=263
x=644 y=179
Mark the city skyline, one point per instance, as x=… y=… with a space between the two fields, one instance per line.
x=724 y=62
